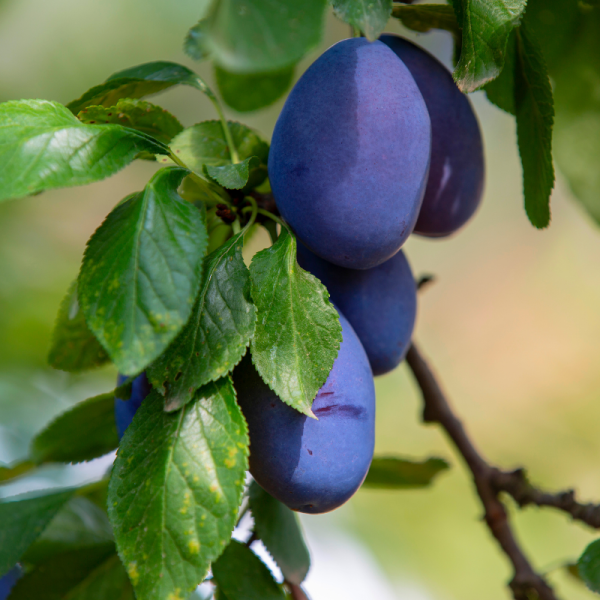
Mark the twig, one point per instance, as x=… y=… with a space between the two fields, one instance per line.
x=296 y=591
x=516 y=484
x=526 y=583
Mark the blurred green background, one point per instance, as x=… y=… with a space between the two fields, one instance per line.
x=511 y=326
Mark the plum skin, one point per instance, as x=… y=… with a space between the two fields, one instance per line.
x=350 y=154
x=312 y=466
x=125 y=409
x=380 y=304
x=457 y=171
x=8 y=581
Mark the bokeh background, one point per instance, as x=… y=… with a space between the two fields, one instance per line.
x=512 y=326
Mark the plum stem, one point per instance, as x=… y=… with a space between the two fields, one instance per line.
x=525 y=581
x=266 y=213
x=254 y=208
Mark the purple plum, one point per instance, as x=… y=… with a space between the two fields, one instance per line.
x=125 y=409
x=313 y=466
x=350 y=155
x=457 y=169
x=380 y=304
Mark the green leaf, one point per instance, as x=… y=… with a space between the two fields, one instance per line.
x=535 y=118
x=298 y=333
x=250 y=36
x=195 y=42
x=279 y=529
x=135 y=114
x=246 y=92
x=23 y=520
x=589 y=566
x=43 y=146
x=78 y=524
x=486 y=25
x=141 y=272
x=370 y=17
x=137 y=82
x=84 y=432
x=389 y=472
x=501 y=91
x=233 y=176
x=217 y=334
x=92 y=573
x=243 y=576
x=203 y=145
x=425 y=17
x=175 y=489
x=577 y=126
x=74 y=347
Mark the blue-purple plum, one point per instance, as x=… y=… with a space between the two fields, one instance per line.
x=457 y=169
x=380 y=304
x=8 y=580
x=350 y=155
x=313 y=466
x=125 y=409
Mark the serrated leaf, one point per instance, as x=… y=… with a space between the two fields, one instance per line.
x=217 y=334
x=501 y=91
x=535 y=117
x=486 y=25
x=137 y=82
x=74 y=347
x=135 y=114
x=195 y=41
x=84 y=432
x=233 y=176
x=204 y=145
x=23 y=519
x=246 y=92
x=369 y=16
x=249 y=36
x=589 y=566
x=279 y=529
x=43 y=146
x=243 y=576
x=390 y=472
x=141 y=272
x=78 y=524
x=175 y=489
x=298 y=332
x=91 y=573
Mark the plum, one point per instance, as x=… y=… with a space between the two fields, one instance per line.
x=126 y=409
x=350 y=155
x=8 y=580
x=380 y=304
x=313 y=466
x=457 y=167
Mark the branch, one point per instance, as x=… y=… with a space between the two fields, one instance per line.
x=516 y=484
x=296 y=591
x=525 y=581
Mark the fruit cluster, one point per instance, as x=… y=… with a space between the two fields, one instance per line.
x=374 y=142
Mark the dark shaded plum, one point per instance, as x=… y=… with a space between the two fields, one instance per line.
x=8 y=580
x=457 y=169
x=313 y=466
x=126 y=409
x=380 y=304
x=350 y=155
